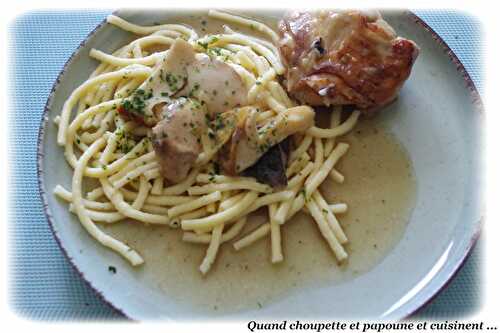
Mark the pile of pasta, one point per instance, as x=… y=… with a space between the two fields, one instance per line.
x=209 y=208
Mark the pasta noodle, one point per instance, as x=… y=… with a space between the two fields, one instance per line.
x=233 y=231
x=276 y=253
x=194 y=204
x=325 y=230
x=336 y=131
x=336 y=176
x=209 y=208
x=221 y=217
x=245 y=22
x=252 y=237
x=338 y=208
x=132 y=256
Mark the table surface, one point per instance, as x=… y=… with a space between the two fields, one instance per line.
x=43 y=284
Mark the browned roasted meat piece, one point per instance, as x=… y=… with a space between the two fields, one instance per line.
x=344 y=58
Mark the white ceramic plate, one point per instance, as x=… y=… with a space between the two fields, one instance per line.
x=437 y=118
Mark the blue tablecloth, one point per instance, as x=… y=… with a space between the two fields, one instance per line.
x=43 y=285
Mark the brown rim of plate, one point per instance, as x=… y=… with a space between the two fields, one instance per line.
x=41 y=186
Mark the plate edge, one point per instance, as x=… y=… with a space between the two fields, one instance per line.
x=476 y=98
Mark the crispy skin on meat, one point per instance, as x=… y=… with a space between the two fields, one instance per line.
x=344 y=58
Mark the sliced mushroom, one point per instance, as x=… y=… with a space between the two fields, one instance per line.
x=216 y=84
x=271 y=167
x=248 y=143
x=240 y=144
x=218 y=133
x=183 y=73
x=168 y=77
x=177 y=138
x=171 y=74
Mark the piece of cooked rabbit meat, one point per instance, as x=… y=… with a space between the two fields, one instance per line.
x=344 y=58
